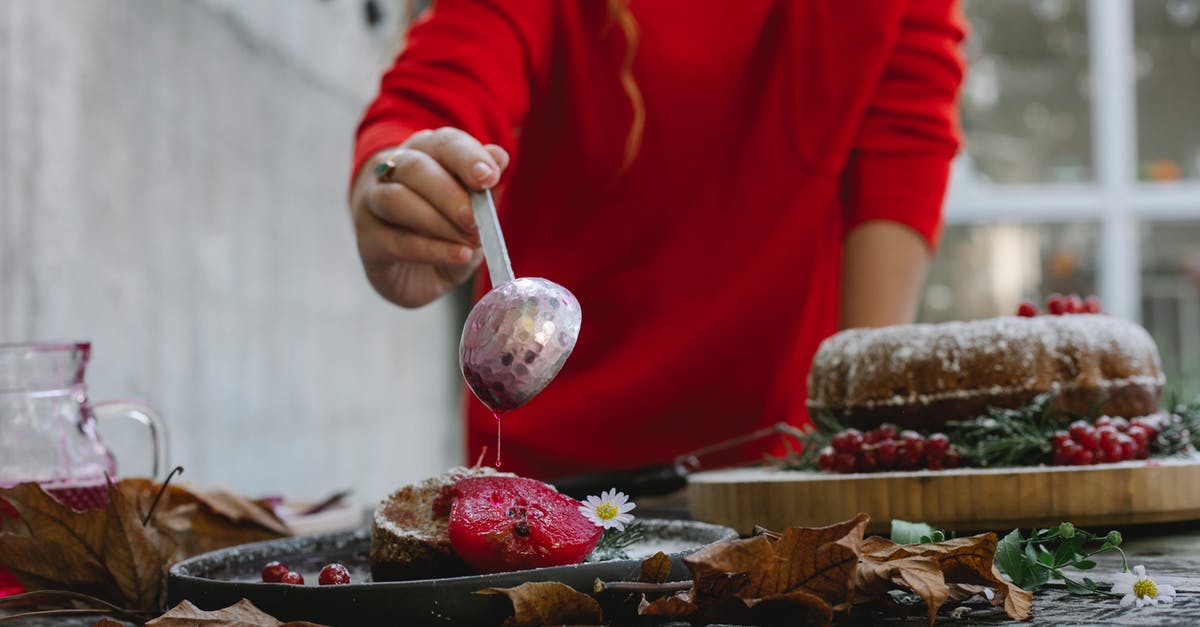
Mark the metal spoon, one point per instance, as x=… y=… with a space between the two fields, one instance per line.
x=519 y=335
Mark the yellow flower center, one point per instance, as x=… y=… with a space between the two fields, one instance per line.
x=1145 y=589
x=607 y=510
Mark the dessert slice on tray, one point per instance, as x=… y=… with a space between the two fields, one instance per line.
x=477 y=520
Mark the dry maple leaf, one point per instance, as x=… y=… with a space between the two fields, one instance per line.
x=203 y=521
x=108 y=553
x=801 y=573
x=241 y=614
x=937 y=572
x=655 y=569
x=546 y=603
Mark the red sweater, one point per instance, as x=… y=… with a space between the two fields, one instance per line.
x=708 y=271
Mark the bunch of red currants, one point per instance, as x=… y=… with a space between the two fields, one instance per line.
x=887 y=448
x=1057 y=305
x=1106 y=440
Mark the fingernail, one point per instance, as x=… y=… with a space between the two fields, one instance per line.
x=481 y=171
x=466 y=217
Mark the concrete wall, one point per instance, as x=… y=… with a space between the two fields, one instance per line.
x=172 y=187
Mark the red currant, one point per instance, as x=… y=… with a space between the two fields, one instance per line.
x=292 y=577
x=273 y=572
x=1060 y=438
x=1056 y=304
x=1102 y=421
x=1120 y=424
x=953 y=458
x=1139 y=434
x=1092 y=304
x=887 y=453
x=871 y=437
x=1129 y=448
x=867 y=461
x=935 y=462
x=887 y=431
x=937 y=444
x=333 y=574
x=1084 y=435
x=848 y=441
x=1074 y=304
x=1149 y=423
x=845 y=463
x=1027 y=309
x=1082 y=457
x=1065 y=454
x=826 y=458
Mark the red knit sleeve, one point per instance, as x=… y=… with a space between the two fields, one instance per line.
x=901 y=159
x=470 y=64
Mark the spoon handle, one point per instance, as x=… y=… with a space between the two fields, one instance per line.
x=494 y=251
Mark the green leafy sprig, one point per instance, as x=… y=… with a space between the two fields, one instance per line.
x=1008 y=437
x=1034 y=561
x=614 y=544
x=811 y=442
x=1179 y=433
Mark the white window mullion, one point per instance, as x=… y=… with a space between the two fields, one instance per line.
x=1114 y=133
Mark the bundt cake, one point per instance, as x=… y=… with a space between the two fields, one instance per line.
x=921 y=375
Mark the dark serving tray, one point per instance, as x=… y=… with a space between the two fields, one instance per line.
x=221 y=578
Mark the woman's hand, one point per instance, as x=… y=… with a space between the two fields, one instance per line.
x=416 y=232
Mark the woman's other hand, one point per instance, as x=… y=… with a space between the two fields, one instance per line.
x=415 y=228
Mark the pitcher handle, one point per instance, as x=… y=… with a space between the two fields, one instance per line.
x=138 y=411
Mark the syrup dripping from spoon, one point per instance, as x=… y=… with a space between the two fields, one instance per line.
x=519 y=335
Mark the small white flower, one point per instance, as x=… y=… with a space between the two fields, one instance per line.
x=1140 y=589
x=609 y=510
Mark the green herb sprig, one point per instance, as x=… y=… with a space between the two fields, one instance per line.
x=1034 y=561
x=1008 y=437
x=1179 y=434
x=614 y=544
x=811 y=442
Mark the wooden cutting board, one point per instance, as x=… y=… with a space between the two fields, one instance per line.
x=964 y=499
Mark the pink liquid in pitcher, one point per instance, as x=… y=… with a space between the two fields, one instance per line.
x=79 y=497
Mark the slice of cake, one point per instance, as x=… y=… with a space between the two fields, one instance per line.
x=410 y=536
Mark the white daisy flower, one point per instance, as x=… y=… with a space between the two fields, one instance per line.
x=609 y=510
x=1140 y=589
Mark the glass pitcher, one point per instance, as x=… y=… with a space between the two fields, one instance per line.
x=48 y=425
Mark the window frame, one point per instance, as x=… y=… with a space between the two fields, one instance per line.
x=1115 y=199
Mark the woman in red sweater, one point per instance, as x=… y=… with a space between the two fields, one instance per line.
x=721 y=185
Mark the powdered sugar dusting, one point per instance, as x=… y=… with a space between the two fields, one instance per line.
x=922 y=363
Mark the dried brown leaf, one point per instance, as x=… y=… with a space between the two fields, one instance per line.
x=239 y=509
x=110 y=553
x=135 y=554
x=675 y=606
x=919 y=575
x=241 y=614
x=969 y=561
x=205 y=521
x=546 y=603
x=656 y=568
x=802 y=572
x=796 y=607
x=107 y=553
